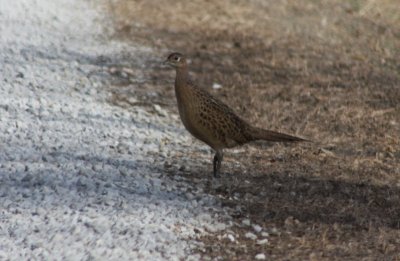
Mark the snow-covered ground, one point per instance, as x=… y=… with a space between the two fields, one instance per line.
x=76 y=178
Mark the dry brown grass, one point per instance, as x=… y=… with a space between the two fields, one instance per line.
x=325 y=70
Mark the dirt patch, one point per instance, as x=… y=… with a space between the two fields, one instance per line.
x=325 y=70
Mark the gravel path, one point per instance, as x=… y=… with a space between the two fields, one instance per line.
x=76 y=179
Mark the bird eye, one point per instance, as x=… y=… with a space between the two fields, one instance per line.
x=176 y=58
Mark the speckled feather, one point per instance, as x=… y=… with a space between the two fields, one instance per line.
x=217 y=119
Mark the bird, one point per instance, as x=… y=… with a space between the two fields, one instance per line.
x=212 y=121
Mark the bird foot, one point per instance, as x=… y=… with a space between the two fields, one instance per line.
x=216 y=184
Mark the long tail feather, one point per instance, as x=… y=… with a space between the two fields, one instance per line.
x=261 y=134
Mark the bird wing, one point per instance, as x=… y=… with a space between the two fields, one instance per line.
x=220 y=119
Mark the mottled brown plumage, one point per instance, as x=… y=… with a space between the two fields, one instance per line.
x=210 y=120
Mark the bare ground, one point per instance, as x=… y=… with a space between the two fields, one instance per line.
x=324 y=70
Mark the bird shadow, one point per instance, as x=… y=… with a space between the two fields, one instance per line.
x=280 y=195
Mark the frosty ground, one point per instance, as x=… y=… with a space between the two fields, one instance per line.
x=95 y=164
x=78 y=176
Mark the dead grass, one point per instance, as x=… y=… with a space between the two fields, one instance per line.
x=324 y=70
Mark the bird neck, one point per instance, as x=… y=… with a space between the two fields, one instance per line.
x=182 y=76
x=182 y=89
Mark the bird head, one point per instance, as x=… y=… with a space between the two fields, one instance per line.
x=176 y=60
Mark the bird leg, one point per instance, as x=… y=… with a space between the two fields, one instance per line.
x=219 y=155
